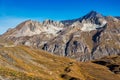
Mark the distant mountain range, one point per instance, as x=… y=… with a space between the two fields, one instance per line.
x=90 y=37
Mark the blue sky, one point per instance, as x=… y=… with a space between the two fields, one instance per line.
x=12 y=12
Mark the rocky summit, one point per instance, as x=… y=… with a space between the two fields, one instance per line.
x=90 y=37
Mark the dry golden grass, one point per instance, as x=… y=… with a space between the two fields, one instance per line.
x=25 y=63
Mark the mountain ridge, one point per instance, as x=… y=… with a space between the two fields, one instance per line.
x=83 y=39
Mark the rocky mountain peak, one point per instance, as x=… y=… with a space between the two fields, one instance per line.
x=92 y=15
x=28 y=23
x=47 y=21
x=93 y=21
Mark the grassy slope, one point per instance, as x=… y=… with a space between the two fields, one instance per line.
x=26 y=63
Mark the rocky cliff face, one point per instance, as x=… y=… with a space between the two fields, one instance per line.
x=90 y=37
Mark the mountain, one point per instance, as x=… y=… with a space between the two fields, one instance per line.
x=118 y=17
x=26 y=63
x=91 y=16
x=90 y=37
x=34 y=31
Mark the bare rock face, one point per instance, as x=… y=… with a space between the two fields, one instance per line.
x=33 y=33
x=109 y=39
x=88 y=38
x=91 y=37
x=31 y=28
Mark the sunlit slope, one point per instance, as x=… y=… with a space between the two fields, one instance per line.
x=25 y=63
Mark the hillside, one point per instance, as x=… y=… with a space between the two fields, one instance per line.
x=112 y=62
x=25 y=63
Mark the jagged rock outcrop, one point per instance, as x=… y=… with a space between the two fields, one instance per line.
x=89 y=37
